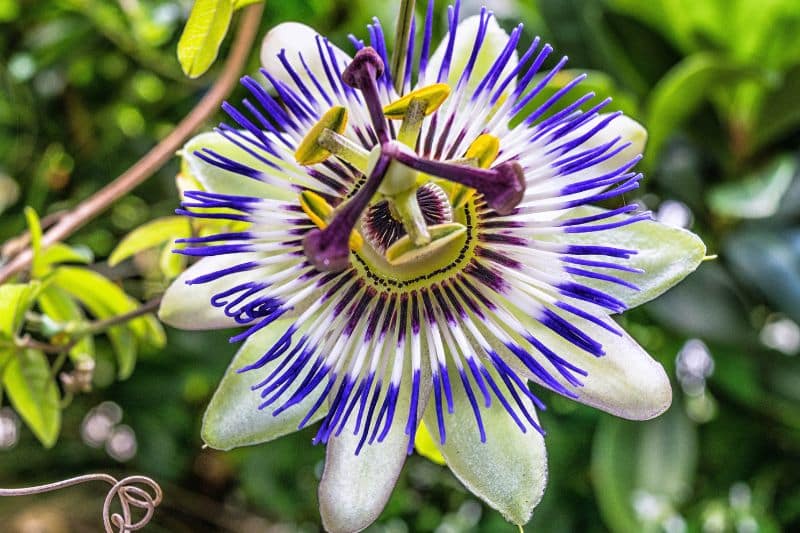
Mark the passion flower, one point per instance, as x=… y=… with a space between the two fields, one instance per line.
x=421 y=257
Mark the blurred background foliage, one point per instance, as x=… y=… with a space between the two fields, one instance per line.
x=87 y=86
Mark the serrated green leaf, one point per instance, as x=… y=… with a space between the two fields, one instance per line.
x=104 y=299
x=150 y=235
x=203 y=34
x=15 y=300
x=756 y=196
x=34 y=394
x=666 y=254
x=233 y=418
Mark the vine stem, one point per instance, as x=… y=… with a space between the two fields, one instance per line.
x=126 y=490
x=161 y=153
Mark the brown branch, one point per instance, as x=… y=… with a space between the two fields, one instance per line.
x=158 y=155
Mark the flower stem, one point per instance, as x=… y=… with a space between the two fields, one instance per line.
x=402 y=38
x=160 y=154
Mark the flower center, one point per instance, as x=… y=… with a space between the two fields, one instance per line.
x=405 y=217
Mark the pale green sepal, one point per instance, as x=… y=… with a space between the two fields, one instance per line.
x=625 y=382
x=217 y=180
x=187 y=306
x=233 y=418
x=495 y=40
x=509 y=470
x=355 y=488
x=666 y=254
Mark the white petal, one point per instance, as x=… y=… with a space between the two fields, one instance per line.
x=233 y=418
x=495 y=40
x=217 y=180
x=295 y=38
x=189 y=306
x=622 y=126
x=625 y=382
x=509 y=470
x=355 y=488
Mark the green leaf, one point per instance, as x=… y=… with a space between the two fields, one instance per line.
x=15 y=300
x=779 y=114
x=204 y=32
x=35 y=230
x=756 y=196
x=666 y=254
x=61 y=253
x=34 y=394
x=150 y=235
x=680 y=92
x=104 y=299
x=125 y=346
x=239 y=4
x=60 y=307
x=769 y=260
x=658 y=457
x=233 y=418
x=706 y=305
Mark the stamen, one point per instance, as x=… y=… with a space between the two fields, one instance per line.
x=362 y=73
x=482 y=153
x=484 y=149
x=310 y=151
x=433 y=96
x=502 y=186
x=320 y=211
x=344 y=148
x=328 y=249
x=413 y=108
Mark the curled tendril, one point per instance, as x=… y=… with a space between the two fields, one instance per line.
x=129 y=491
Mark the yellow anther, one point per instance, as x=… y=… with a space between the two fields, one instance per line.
x=484 y=149
x=310 y=152
x=482 y=152
x=320 y=211
x=433 y=96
